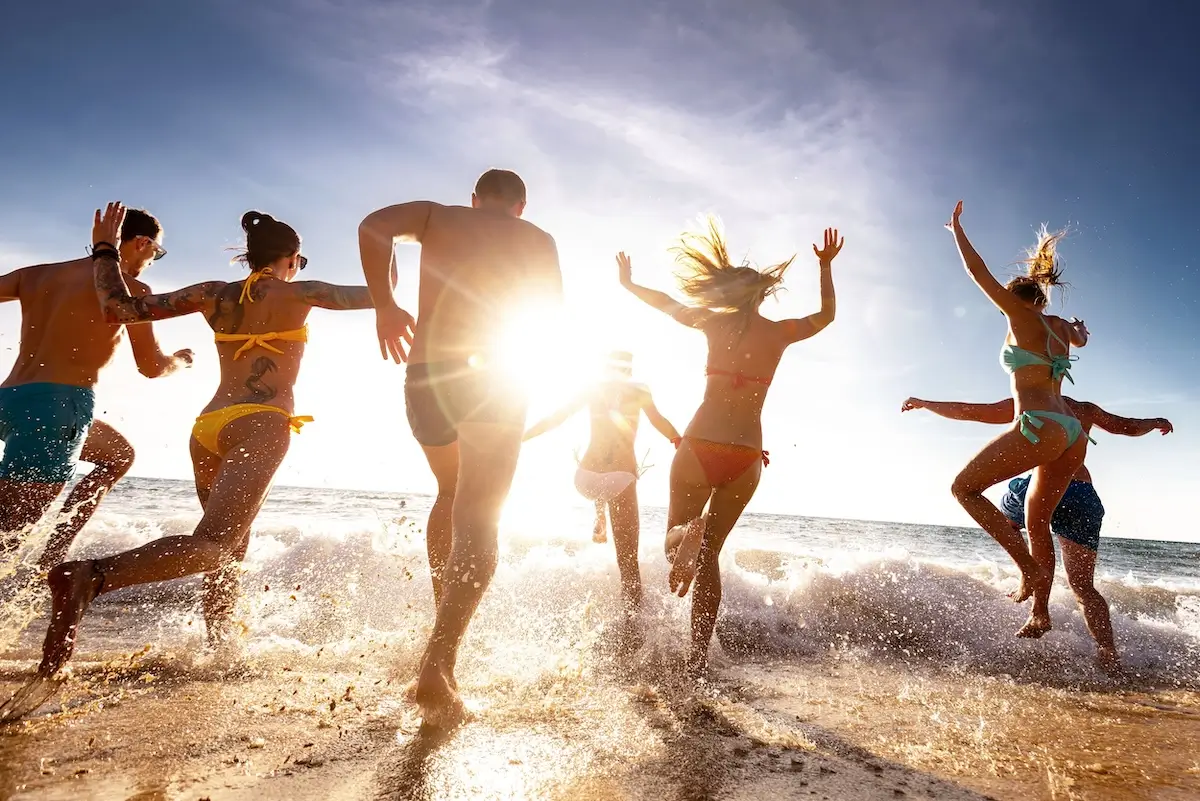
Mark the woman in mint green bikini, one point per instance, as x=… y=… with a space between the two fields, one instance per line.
x=1044 y=437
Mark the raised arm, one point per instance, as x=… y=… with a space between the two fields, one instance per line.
x=377 y=235
x=555 y=420
x=687 y=315
x=333 y=296
x=1127 y=426
x=997 y=413
x=1006 y=301
x=118 y=304
x=796 y=330
x=660 y=423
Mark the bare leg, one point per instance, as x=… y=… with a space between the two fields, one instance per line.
x=111 y=456
x=626 y=527
x=22 y=503
x=1080 y=563
x=600 y=528
x=1008 y=455
x=1046 y=489
x=439 y=533
x=249 y=465
x=219 y=590
x=690 y=492
x=727 y=505
x=487 y=462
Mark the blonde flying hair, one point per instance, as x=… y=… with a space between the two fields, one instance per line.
x=1043 y=268
x=710 y=279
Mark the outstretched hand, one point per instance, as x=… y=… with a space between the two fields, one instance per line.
x=624 y=269
x=911 y=404
x=1164 y=426
x=107 y=228
x=954 y=224
x=833 y=246
x=184 y=357
x=395 y=328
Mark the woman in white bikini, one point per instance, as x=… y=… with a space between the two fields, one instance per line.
x=609 y=470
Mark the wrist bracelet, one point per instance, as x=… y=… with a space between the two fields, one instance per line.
x=109 y=252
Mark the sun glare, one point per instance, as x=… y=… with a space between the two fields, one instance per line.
x=545 y=355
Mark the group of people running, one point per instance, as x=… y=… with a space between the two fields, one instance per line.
x=477 y=265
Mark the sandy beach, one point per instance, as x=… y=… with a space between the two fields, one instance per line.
x=834 y=728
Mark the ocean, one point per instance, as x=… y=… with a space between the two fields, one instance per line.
x=894 y=640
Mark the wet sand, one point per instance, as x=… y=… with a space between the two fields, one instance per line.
x=150 y=727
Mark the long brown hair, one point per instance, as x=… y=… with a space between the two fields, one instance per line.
x=712 y=281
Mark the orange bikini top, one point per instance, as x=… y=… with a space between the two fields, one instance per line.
x=739 y=379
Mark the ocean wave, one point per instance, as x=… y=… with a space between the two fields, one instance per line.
x=312 y=584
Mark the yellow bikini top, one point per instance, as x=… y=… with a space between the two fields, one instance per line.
x=259 y=340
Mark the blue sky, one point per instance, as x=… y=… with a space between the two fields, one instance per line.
x=627 y=119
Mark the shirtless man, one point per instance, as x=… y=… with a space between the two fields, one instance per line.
x=1077 y=518
x=47 y=401
x=478 y=265
x=608 y=471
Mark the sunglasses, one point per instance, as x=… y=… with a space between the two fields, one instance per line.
x=303 y=262
x=159 y=250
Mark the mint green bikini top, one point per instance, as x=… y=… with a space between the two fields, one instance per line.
x=1014 y=358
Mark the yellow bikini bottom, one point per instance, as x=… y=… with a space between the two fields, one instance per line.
x=208 y=426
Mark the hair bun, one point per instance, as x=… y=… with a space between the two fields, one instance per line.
x=252 y=218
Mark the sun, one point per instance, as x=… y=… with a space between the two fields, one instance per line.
x=548 y=357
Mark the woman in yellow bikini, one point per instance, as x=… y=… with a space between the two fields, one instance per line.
x=720 y=459
x=240 y=438
x=1045 y=437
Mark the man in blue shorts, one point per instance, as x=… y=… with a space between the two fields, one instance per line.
x=47 y=402
x=1077 y=519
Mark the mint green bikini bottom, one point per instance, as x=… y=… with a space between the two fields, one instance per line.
x=1031 y=422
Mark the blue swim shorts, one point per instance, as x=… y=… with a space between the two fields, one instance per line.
x=1077 y=518
x=43 y=427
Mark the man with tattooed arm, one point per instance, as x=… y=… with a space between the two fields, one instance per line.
x=47 y=402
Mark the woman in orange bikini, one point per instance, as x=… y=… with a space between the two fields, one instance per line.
x=720 y=459
x=240 y=438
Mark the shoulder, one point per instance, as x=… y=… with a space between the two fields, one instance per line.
x=137 y=287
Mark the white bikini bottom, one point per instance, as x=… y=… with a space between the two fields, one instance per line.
x=602 y=486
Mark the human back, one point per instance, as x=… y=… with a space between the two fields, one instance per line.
x=64 y=336
x=744 y=351
x=256 y=374
x=614 y=411
x=478 y=266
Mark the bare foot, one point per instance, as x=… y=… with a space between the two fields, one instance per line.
x=697 y=664
x=683 y=552
x=436 y=695
x=73 y=585
x=1031 y=585
x=1108 y=661
x=1035 y=627
x=36 y=692
x=600 y=530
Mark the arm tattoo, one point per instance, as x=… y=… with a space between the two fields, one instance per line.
x=262 y=365
x=335 y=296
x=121 y=307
